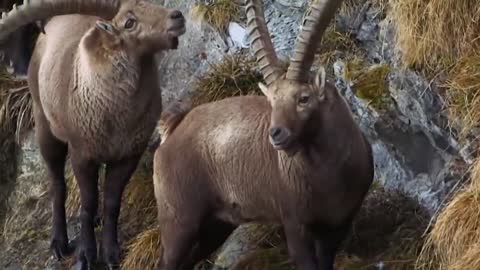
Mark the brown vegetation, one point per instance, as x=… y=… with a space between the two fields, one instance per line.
x=16 y=107
x=442 y=36
x=218 y=14
x=454 y=237
x=235 y=75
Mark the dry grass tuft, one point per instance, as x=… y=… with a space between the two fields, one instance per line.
x=73 y=198
x=455 y=230
x=335 y=43
x=27 y=224
x=143 y=251
x=463 y=94
x=16 y=106
x=334 y=39
x=235 y=75
x=442 y=37
x=470 y=260
x=432 y=34
x=454 y=237
x=218 y=14
x=351 y=8
x=349 y=262
x=138 y=201
x=264 y=259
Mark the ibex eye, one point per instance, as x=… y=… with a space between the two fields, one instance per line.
x=129 y=23
x=303 y=99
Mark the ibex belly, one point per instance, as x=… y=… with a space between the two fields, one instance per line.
x=245 y=173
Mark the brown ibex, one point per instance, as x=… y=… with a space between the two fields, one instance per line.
x=295 y=157
x=95 y=93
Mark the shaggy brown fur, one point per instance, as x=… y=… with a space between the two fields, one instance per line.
x=95 y=90
x=295 y=157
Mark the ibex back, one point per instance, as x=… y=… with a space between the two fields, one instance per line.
x=295 y=157
x=96 y=95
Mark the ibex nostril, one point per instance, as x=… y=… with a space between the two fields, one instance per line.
x=176 y=15
x=275 y=132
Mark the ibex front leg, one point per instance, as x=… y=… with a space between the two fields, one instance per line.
x=117 y=176
x=86 y=173
x=54 y=152
x=300 y=244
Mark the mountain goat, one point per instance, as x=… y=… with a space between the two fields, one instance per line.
x=93 y=81
x=295 y=157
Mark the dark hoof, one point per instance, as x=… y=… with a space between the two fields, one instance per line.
x=61 y=249
x=113 y=267
x=82 y=265
x=86 y=257
x=111 y=257
x=98 y=221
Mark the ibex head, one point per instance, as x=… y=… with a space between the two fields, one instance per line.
x=294 y=97
x=144 y=26
x=137 y=24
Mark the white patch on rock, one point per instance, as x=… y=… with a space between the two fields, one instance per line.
x=239 y=35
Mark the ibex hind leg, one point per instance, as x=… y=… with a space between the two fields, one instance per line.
x=212 y=235
x=54 y=153
x=86 y=173
x=177 y=241
x=180 y=230
x=117 y=176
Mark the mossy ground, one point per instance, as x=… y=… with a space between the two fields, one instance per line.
x=368 y=81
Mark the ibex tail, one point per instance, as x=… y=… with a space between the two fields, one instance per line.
x=172 y=116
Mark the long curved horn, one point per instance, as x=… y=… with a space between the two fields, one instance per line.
x=35 y=10
x=313 y=27
x=261 y=42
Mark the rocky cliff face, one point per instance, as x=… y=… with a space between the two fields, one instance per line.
x=414 y=149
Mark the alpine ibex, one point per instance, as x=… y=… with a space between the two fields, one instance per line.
x=94 y=85
x=295 y=157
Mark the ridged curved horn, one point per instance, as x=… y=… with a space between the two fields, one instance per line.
x=313 y=27
x=35 y=10
x=261 y=42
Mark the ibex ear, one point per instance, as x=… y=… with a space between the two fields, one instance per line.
x=264 y=89
x=320 y=81
x=106 y=27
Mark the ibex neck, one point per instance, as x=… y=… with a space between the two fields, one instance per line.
x=106 y=70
